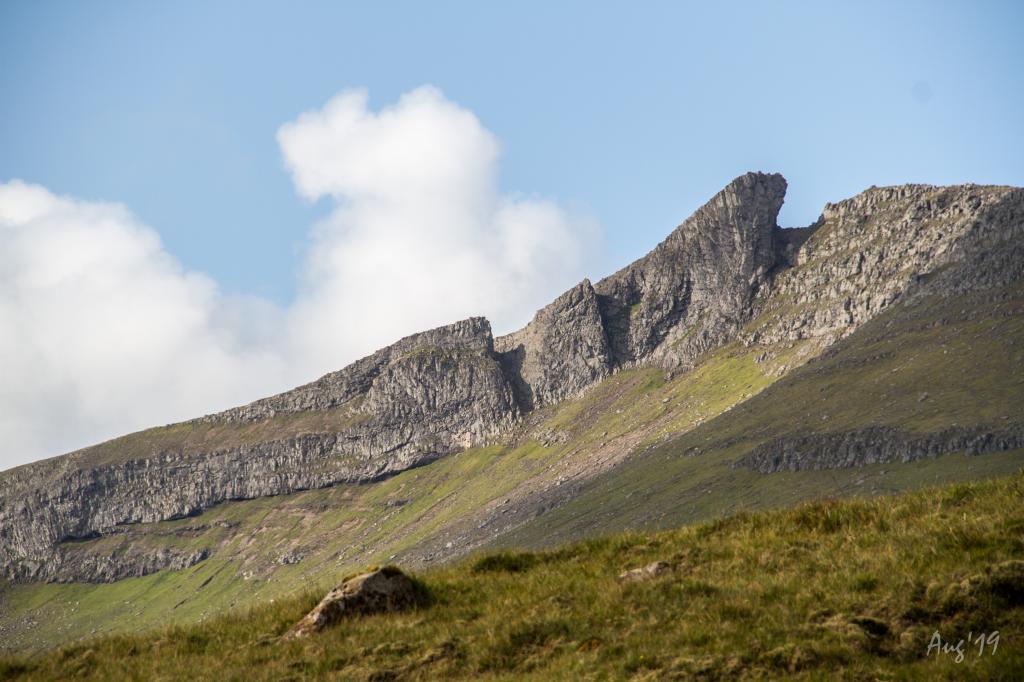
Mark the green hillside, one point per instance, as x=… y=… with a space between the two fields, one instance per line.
x=838 y=589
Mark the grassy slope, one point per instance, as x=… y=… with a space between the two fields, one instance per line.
x=836 y=589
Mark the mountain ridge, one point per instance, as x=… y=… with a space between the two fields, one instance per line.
x=729 y=273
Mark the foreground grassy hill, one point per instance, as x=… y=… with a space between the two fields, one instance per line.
x=851 y=589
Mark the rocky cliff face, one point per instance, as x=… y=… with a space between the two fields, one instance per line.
x=866 y=252
x=875 y=445
x=695 y=289
x=728 y=273
x=426 y=396
x=561 y=352
x=393 y=380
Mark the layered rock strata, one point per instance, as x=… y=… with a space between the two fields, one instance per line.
x=875 y=445
x=866 y=252
x=426 y=396
x=726 y=274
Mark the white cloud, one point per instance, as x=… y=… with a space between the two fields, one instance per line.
x=104 y=332
x=421 y=235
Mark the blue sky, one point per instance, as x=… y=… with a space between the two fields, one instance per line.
x=204 y=202
x=635 y=111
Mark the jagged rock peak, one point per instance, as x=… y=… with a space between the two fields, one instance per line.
x=560 y=352
x=875 y=196
x=745 y=209
x=869 y=251
x=695 y=289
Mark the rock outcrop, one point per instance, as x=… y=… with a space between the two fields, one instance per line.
x=383 y=590
x=695 y=289
x=875 y=445
x=426 y=396
x=649 y=572
x=449 y=374
x=726 y=274
x=69 y=564
x=866 y=252
x=561 y=352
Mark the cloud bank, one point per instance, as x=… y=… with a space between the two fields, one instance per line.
x=104 y=332
x=420 y=235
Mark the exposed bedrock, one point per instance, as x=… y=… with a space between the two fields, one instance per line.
x=874 y=445
x=690 y=294
x=427 y=396
x=561 y=352
x=867 y=252
x=69 y=564
x=695 y=289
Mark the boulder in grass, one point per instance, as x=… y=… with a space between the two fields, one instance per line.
x=652 y=570
x=382 y=590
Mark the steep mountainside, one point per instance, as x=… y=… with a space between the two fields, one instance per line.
x=424 y=397
x=737 y=365
x=929 y=391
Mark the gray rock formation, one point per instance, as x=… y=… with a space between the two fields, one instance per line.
x=561 y=352
x=69 y=564
x=868 y=251
x=409 y=380
x=384 y=590
x=728 y=273
x=424 y=397
x=874 y=445
x=695 y=289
